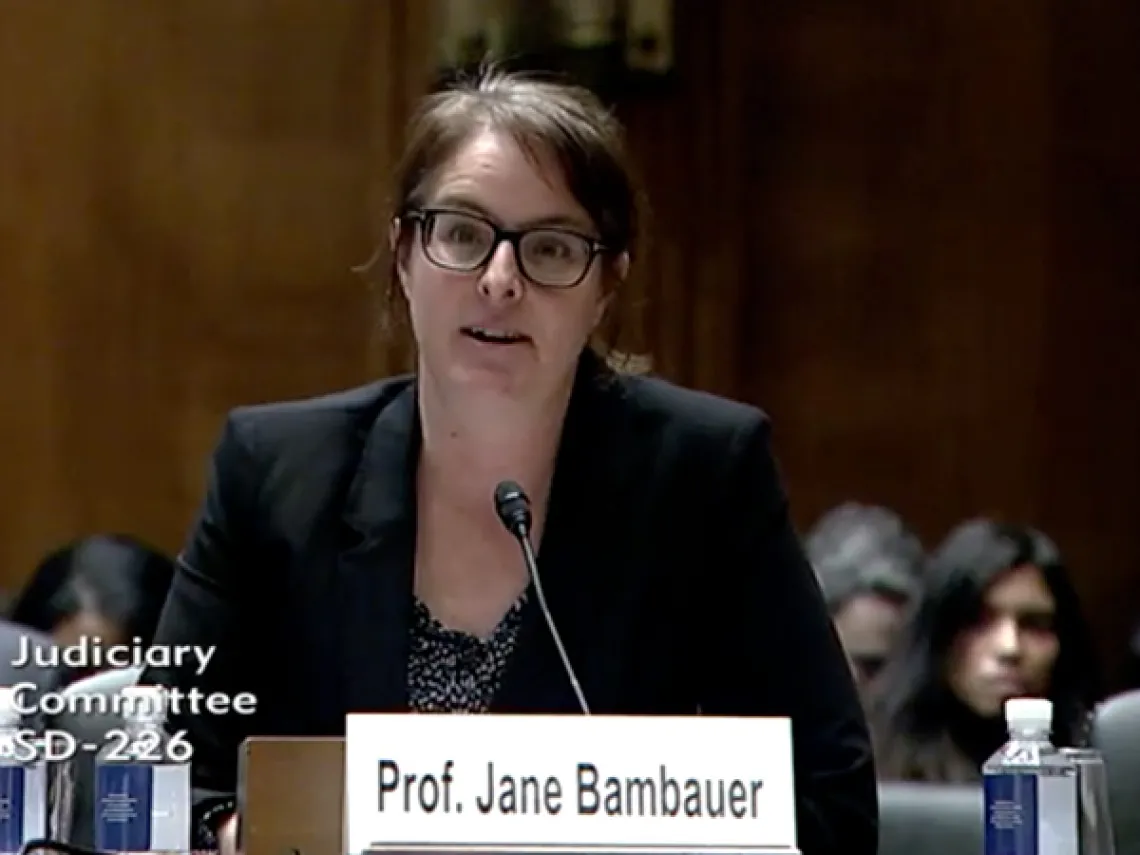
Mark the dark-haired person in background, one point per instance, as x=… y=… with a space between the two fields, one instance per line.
x=348 y=556
x=110 y=587
x=998 y=618
x=869 y=565
x=14 y=640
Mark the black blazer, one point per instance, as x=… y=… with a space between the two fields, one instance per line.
x=668 y=560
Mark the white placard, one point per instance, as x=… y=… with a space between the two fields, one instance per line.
x=530 y=783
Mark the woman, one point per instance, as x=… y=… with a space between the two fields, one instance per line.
x=349 y=555
x=998 y=619
x=109 y=586
x=869 y=565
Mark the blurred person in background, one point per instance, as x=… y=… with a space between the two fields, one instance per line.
x=869 y=565
x=998 y=618
x=13 y=639
x=109 y=587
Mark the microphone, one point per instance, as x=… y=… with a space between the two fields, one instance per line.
x=513 y=507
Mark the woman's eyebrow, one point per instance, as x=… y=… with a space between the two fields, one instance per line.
x=464 y=203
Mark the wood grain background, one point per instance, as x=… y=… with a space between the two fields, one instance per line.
x=908 y=231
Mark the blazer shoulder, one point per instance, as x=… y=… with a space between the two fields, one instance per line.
x=276 y=426
x=691 y=413
x=281 y=465
x=295 y=455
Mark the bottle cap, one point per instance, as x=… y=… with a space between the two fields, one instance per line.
x=1029 y=713
x=144 y=703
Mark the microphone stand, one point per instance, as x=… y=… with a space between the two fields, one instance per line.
x=513 y=508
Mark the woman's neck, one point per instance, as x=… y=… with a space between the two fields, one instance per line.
x=976 y=737
x=471 y=444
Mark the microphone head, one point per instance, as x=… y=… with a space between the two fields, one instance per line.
x=513 y=508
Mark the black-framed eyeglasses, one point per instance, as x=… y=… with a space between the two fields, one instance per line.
x=465 y=242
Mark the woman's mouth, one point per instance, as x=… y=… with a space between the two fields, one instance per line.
x=489 y=335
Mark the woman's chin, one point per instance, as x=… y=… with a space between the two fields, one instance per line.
x=479 y=376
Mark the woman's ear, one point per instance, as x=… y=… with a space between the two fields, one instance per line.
x=619 y=271
x=602 y=307
x=621 y=267
x=397 y=247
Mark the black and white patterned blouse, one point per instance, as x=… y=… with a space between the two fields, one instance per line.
x=452 y=671
x=448 y=671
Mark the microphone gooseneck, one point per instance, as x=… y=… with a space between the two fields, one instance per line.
x=513 y=507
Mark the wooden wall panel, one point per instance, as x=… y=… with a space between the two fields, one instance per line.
x=186 y=188
x=1087 y=406
x=906 y=230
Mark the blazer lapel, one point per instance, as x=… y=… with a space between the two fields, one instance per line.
x=376 y=564
x=582 y=558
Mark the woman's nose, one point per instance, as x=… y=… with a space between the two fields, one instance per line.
x=502 y=281
x=1006 y=639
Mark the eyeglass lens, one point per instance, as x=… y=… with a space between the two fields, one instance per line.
x=547 y=256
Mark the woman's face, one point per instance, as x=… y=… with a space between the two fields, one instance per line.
x=868 y=625
x=492 y=329
x=93 y=627
x=1012 y=649
x=90 y=625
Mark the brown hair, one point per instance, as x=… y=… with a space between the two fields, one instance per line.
x=545 y=118
x=901 y=757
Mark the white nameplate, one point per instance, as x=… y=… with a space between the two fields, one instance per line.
x=530 y=783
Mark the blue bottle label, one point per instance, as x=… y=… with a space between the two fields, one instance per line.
x=123 y=796
x=1011 y=814
x=1031 y=815
x=11 y=808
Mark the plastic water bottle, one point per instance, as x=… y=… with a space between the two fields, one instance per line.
x=142 y=792
x=23 y=781
x=1096 y=829
x=1030 y=788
